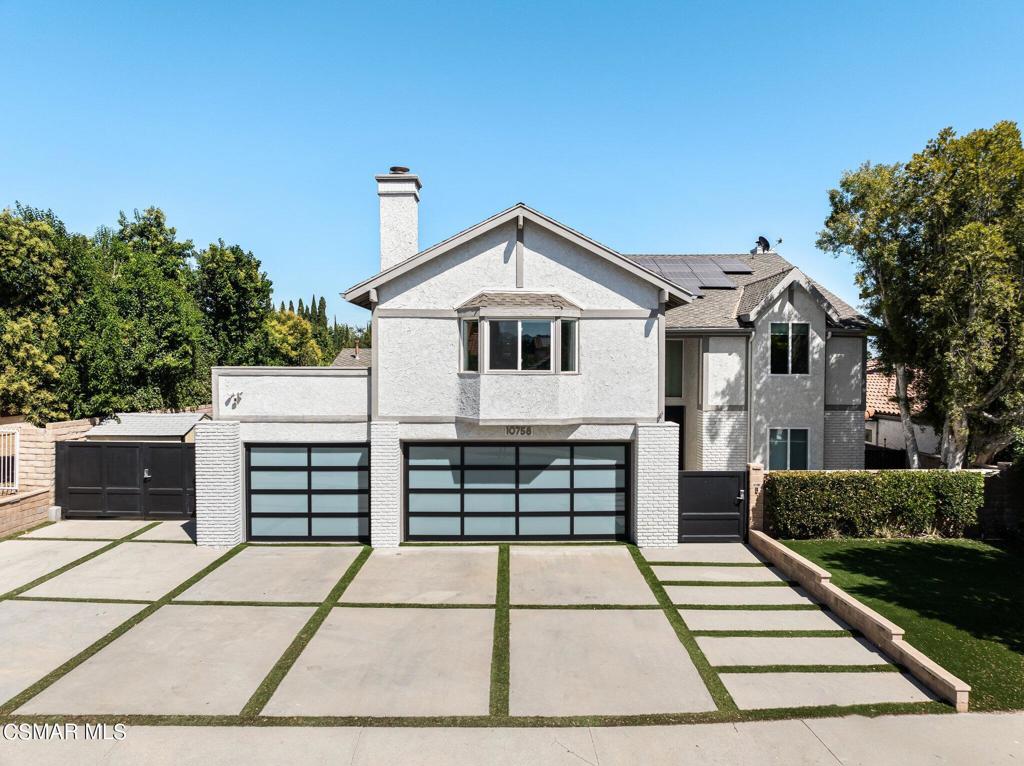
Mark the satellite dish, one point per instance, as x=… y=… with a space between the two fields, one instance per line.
x=763 y=244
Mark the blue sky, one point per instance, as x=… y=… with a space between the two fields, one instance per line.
x=652 y=127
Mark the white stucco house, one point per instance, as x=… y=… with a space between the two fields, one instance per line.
x=526 y=381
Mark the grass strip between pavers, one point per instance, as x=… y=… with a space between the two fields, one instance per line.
x=55 y=675
x=78 y=600
x=886 y=668
x=273 y=679
x=413 y=605
x=723 y=700
x=732 y=583
x=594 y=607
x=16 y=535
x=61 y=570
x=736 y=564
x=500 y=652
x=653 y=719
x=200 y=602
x=775 y=633
x=755 y=607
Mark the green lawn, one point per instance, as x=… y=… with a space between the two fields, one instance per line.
x=961 y=602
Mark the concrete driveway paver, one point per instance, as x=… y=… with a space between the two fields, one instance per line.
x=600 y=662
x=427 y=575
x=392 y=662
x=180 y=660
x=753 y=691
x=735 y=595
x=174 y=531
x=21 y=562
x=712 y=574
x=275 y=574
x=143 y=571
x=719 y=553
x=89 y=529
x=40 y=636
x=748 y=650
x=562 y=575
x=760 y=619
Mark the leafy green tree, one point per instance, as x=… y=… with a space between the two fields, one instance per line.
x=939 y=245
x=30 y=293
x=234 y=296
x=291 y=340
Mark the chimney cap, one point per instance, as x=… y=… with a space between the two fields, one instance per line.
x=397 y=169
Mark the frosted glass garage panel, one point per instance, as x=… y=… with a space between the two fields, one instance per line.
x=600 y=454
x=339 y=479
x=277 y=456
x=341 y=503
x=544 y=501
x=612 y=478
x=490 y=503
x=544 y=455
x=279 y=503
x=328 y=527
x=435 y=525
x=284 y=527
x=543 y=525
x=489 y=479
x=435 y=501
x=450 y=456
x=351 y=457
x=433 y=479
x=490 y=525
x=539 y=478
x=599 y=525
x=488 y=455
x=600 y=501
x=277 y=480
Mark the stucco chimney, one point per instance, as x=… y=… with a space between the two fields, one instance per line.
x=399 y=193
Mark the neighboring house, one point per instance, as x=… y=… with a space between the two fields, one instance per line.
x=526 y=381
x=882 y=424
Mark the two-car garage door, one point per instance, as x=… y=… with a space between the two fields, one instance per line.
x=453 y=491
x=498 y=491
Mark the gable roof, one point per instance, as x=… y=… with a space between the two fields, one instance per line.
x=353 y=358
x=881 y=393
x=147 y=424
x=361 y=294
x=756 y=280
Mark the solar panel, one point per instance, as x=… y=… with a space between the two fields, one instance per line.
x=733 y=265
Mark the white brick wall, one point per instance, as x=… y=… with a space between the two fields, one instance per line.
x=656 y=519
x=385 y=485
x=844 y=439
x=724 y=440
x=219 y=517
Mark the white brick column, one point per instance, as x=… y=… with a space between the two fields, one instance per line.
x=656 y=520
x=385 y=485
x=219 y=517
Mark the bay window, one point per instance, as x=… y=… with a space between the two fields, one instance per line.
x=520 y=345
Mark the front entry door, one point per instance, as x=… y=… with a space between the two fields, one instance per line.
x=712 y=506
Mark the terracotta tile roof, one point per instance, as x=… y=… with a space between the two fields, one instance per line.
x=353 y=359
x=881 y=393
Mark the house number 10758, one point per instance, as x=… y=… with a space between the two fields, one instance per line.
x=518 y=430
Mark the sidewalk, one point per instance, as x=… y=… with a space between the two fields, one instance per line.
x=977 y=739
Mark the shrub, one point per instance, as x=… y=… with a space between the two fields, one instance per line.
x=807 y=504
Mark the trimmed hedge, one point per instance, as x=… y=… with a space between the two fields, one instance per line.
x=815 y=504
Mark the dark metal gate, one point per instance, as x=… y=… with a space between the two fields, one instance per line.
x=712 y=506
x=146 y=480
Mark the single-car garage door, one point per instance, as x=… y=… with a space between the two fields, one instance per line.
x=501 y=491
x=303 y=491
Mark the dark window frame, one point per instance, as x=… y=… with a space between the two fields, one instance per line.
x=309 y=491
x=790 y=351
x=789 y=448
x=625 y=489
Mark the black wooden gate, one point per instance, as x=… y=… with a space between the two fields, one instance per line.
x=147 y=480
x=712 y=506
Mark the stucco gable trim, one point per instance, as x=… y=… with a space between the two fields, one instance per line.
x=795 y=277
x=360 y=293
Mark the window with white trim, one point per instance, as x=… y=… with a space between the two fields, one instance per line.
x=520 y=345
x=790 y=348
x=471 y=345
x=787 y=449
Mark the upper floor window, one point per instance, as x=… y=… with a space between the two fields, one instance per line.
x=787 y=449
x=523 y=345
x=791 y=348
